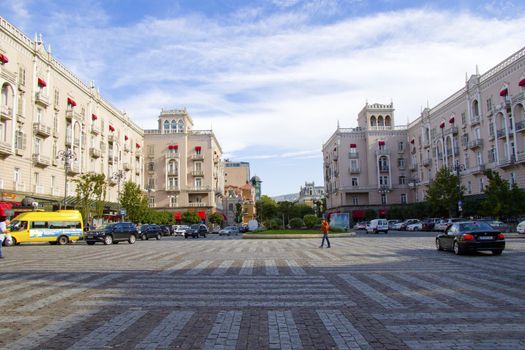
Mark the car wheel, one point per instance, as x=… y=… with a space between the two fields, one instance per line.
x=457 y=249
x=90 y=243
x=13 y=242
x=158 y=237
x=146 y=237
x=132 y=239
x=62 y=240
x=438 y=245
x=108 y=240
x=497 y=251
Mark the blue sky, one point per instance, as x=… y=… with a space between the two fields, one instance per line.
x=273 y=78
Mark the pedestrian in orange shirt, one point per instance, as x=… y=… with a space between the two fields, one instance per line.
x=325 y=228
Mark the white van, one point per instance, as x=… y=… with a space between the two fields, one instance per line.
x=377 y=225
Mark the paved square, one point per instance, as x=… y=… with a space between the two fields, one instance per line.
x=366 y=292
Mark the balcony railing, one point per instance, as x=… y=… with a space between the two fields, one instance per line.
x=353 y=155
x=479 y=169
x=19 y=186
x=73 y=169
x=427 y=162
x=382 y=152
x=197 y=204
x=426 y=143
x=503 y=163
x=71 y=114
x=172 y=172
x=38 y=189
x=5 y=149
x=40 y=160
x=95 y=152
x=521 y=157
x=197 y=173
x=126 y=166
x=354 y=170
x=172 y=154
x=384 y=169
x=520 y=126
x=172 y=188
x=197 y=156
x=95 y=130
x=501 y=133
x=475 y=143
x=413 y=166
x=42 y=130
x=6 y=112
x=199 y=189
x=42 y=99
x=452 y=130
x=475 y=120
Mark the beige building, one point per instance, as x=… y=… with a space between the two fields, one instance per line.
x=184 y=168
x=45 y=110
x=481 y=126
x=238 y=189
x=309 y=194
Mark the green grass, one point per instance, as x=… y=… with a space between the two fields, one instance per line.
x=293 y=232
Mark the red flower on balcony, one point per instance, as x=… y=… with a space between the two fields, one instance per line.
x=71 y=102
x=381 y=142
x=111 y=128
x=197 y=148
x=42 y=82
x=3 y=59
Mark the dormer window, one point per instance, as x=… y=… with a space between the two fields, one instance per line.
x=167 y=126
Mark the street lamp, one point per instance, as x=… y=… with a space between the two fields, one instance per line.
x=383 y=190
x=67 y=156
x=458 y=168
x=118 y=176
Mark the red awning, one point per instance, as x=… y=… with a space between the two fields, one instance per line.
x=381 y=143
x=94 y=116
x=412 y=141
x=197 y=148
x=41 y=82
x=137 y=145
x=353 y=145
x=504 y=92
x=71 y=102
x=451 y=119
x=358 y=214
x=382 y=212
x=125 y=137
x=522 y=82
x=177 y=215
x=3 y=58
x=111 y=128
x=442 y=124
x=202 y=214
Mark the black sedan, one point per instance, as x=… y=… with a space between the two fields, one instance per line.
x=471 y=236
x=150 y=231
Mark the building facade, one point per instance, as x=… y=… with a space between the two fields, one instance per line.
x=309 y=194
x=54 y=127
x=238 y=190
x=479 y=127
x=184 y=167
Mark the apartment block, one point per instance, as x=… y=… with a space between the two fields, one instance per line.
x=184 y=167
x=481 y=126
x=54 y=127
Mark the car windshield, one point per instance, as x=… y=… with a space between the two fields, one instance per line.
x=195 y=227
x=105 y=227
x=475 y=226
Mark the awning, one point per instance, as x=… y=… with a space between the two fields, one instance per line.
x=353 y=145
x=3 y=58
x=504 y=91
x=111 y=128
x=522 y=82
x=451 y=119
x=382 y=212
x=41 y=82
x=413 y=141
x=177 y=215
x=442 y=124
x=126 y=137
x=202 y=214
x=358 y=214
x=198 y=148
x=381 y=142
x=137 y=145
x=94 y=116
x=71 y=102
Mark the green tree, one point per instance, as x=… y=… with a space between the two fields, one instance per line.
x=136 y=204
x=91 y=188
x=190 y=217
x=216 y=218
x=266 y=208
x=285 y=208
x=296 y=223
x=310 y=221
x=502 y=199
x=238 y=212
x=442 y=194
x=300 y=210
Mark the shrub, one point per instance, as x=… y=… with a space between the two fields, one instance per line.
x=337 y=230
x=310 y=221
x=296 y=223
x=274 y=224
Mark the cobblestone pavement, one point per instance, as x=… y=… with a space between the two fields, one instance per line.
x=366 y=292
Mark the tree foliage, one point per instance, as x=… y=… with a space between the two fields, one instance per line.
x=238 y=212
x=502 y=198
x=266 y=208
x=216 y=218
x=442 y=194
x=296 y=223
x=190 y=217
x=136 y=204
x=310 y=221
x=91 y=188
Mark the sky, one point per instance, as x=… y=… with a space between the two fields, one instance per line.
x=273 y=78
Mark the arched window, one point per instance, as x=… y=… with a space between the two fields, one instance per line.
x=172 y=167
x=372 y=121
x=475 y=108
x=174 y=125
x=388 y=121
x=380 y=121
x=5 y=94
x=181 y=126
x=166 y=125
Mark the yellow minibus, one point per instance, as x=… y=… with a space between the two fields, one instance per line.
x=57 y=227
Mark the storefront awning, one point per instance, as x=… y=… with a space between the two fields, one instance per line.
x=202 y=214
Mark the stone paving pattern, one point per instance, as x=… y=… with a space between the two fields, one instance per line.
x=366 y=292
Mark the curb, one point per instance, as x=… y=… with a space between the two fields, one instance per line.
x=294 y=236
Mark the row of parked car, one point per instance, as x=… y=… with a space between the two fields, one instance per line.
x=432 y=224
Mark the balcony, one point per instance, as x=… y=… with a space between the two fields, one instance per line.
x=197 y=173
x=197 y=204
x=501 y=133
x=521 y=157
x=171 y=154
x=382 y=152
x=449 y=151
x=477 y=143
x=112 y=181
x=401 y=166
x=19 y=186
x=40 y=160
x=126 y=148
x=353 y=155
x=354 y=170
x=172 y=188
x=42 y=130
x=42 y=99
x=401 y=150
x=173 y=172
x=71 y=114
x=426 y=143
x=479 y=169
x=6 y=112
x=505 y=163
x=111 y=138
x=199 y=189
x=138 y=153
x=427 y=162
x=69 y=140
x=39 y=189
x=95 y=152
x=413 y=166
x=452 y=130
x=384 y=169
x=520 y=126
x=126 y=166
x=73 y=169
x=95 y=130
x=111 y=159
x=475 y=120
x=197 y=156
x=5 y=149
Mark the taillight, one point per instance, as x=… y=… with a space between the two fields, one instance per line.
x=468 y=237
x=501 y=236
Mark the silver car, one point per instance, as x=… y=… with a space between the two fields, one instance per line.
x=229 y=230
x=180 y=230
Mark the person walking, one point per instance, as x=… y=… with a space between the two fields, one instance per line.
x=3 y=233
x=325 y=228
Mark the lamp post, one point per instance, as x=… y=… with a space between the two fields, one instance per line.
x=118 y=176
x=458 y=168
x=67 y=156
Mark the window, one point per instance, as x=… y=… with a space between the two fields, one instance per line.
x=489 y=104
x=355 y=182
x=151 y=182
x=173 y=182
x=479 y=158
x=172 y=167
x=477 y=132
x=56 y=97
x=17 y=177
x=39 y=224
x=2 y=131
x=174 y=125
x=198 y=182
x=512 y=180
x=402 y=180
x=53 y=181
x=401 y=146
x=355 y=200
x=166 y=125
x=151 y=202
x=22 y=76
x=492 y=155
x=481 y=185
x=491 y=129
x=463 y=118
x=354 y=164
x=36 y=178
x=469 y=187
x=198 y=166
x=401 y=163
x=383 y=198
x=151 y=166
x=173 y=201
x=181 y=126
x=403 y=198
x=383 y=180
